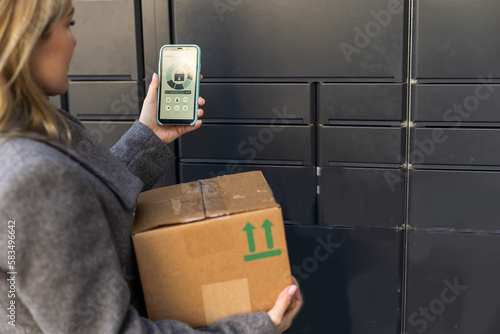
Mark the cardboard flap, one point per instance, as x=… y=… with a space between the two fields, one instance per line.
x=169 y=205
x=236 y=193
x=194 y=201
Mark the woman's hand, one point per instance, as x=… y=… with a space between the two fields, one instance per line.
x=167 y=133
x=280 y=314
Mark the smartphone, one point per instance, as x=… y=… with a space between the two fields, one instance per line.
x=179 y=74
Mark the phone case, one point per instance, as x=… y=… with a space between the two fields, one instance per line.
x=198 y=72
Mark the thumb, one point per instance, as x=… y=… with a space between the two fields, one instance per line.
x=152 y=90
x=282 y=303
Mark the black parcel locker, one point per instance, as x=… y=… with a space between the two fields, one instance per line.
x=264 y=103
x=350 y=279
x=361 y=102
x=455 y=146
x=456 y=105
x=294 y=187
x=105 y=100
x=339 y=145
x=456 y=39
x=314 y=38
x=361 y=197
x=453 y=283
x=250 y=144
x=107 y=43
x=106 y=70
x=454 y=200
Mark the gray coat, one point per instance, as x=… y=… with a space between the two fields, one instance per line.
x=69 y=213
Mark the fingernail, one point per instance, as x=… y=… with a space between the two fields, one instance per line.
x=292 y=290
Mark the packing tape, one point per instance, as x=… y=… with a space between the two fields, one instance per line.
x=226 y=298
x=190 y=203
x=214 y=204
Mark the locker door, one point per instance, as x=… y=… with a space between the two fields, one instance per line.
x=455 y=39
x=315 y=38
x=106 y=37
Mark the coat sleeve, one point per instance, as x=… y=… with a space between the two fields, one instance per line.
x=144 y=154
x=68 y=274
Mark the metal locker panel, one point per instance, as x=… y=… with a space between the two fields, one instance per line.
x=151 y=49
x=456 y=104
x=294 y=187
x=453 y=283
x=454 y=39
x=458 y=200
x=350 y=279
x=250 y=144
x=106 y=39
x=346 y=144
x=371 y=102
x=55 y=101
x=464 y=147
x=110 y=100
x=155 y=32
x=361 y=197
x=258 y=103
x=315 y=38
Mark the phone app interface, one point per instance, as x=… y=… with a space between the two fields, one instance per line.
x=178 y=84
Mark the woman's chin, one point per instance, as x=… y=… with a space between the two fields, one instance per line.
x=60 y=89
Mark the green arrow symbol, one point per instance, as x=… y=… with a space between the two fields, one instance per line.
x=269 y=235
x=251 y=242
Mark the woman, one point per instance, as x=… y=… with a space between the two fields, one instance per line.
x=66 y=202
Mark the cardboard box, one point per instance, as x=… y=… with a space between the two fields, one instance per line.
x=211 y=248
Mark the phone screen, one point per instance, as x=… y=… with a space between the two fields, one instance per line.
x=178 y=85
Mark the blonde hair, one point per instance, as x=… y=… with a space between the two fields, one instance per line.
x=24 y=107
